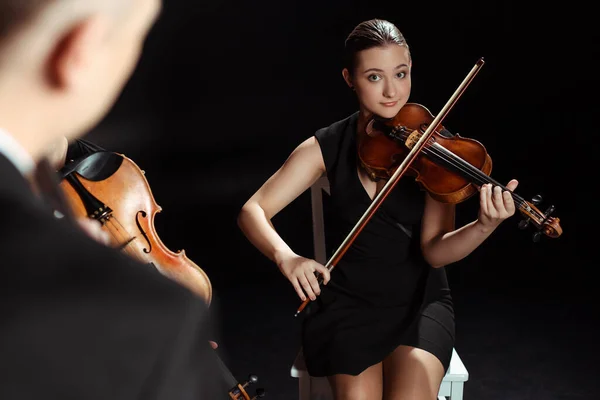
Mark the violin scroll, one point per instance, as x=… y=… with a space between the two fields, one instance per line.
x=240 y=392
x=542 y=221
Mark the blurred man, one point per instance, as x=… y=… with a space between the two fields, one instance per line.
x=80 y=320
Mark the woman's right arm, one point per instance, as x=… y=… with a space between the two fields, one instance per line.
x=302 y=168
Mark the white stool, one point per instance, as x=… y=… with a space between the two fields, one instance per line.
x=315 y=388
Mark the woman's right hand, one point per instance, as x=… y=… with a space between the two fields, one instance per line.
x=301 y=273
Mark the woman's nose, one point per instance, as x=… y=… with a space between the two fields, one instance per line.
x=389 y=90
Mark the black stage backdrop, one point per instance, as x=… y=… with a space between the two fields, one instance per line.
x=225 y=91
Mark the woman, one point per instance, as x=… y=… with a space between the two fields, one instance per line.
x=384 y=322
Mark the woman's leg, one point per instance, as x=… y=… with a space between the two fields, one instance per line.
x=368 y=385
x=412 y=374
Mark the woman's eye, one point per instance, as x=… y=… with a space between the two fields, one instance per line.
x=374 y=78
x=401 y=75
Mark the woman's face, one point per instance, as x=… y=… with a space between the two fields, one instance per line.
x=382 y=79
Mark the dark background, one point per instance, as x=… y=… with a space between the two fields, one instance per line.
x=225 y=91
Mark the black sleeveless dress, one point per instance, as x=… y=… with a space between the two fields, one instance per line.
x=382 y=293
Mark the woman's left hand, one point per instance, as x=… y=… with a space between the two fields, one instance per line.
x=495 y=205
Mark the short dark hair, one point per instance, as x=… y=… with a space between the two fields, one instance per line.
x=368 y=34
x=14 y=13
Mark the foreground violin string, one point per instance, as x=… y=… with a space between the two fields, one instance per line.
x=124 y=244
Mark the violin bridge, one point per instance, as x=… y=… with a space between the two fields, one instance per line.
x=412 y=139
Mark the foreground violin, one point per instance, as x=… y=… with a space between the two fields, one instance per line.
x=450 y=167
x=113 y=190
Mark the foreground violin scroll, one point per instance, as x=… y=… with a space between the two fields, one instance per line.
x=411 y=142
x=112 y=189
x=239 y=391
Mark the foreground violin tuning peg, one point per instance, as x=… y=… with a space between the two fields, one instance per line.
x=239 y=392
x=260 y=392
x=251 y=379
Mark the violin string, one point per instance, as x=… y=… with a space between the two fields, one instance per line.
x=111 y=233
x=440 y=153
x=456 y=162
x=468 y=168
x=144 y=256
x=443 y=154
x=462 y=166
x=122 y=239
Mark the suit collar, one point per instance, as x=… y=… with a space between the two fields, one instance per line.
x=15 y=153
x=13 y=185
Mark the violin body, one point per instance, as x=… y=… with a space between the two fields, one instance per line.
x=112 y=189
x=388 y=144
x=449 y=167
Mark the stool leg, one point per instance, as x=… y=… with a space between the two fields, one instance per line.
x=316 y=196
x=456 y=391
x=304 y=388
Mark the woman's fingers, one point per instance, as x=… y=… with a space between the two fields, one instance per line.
x=314 y=283
x=306 y=286
x=324 y=272
x=298 y=289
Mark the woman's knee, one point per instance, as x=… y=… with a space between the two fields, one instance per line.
x=366 y=386
x=356 y=394
x=412 y=373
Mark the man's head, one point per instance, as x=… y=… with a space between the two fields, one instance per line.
x=63 y=63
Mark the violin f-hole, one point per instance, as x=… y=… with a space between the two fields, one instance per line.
x=137 y=221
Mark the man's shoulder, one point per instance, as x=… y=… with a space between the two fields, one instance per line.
x=37 y=246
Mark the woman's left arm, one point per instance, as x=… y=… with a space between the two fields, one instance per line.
x=442 y=244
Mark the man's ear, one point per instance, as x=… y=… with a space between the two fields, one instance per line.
x=74 y=53
x=347 y=77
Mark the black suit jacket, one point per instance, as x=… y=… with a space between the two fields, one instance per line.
x=83 y=321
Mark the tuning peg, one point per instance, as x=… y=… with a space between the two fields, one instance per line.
x=251 y=379
x=537 y=236
x=260 y=392
x=524 y=223
x=537 y=199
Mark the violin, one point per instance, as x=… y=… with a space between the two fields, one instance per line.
x=113 y=190
x=449 y=167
